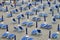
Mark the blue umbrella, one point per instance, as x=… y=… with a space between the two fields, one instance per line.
x=49 y=3
x=51 y=10
x=29 y=5
x=57 y=6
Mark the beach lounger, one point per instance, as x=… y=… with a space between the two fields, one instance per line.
x=36 y=19
x=36 y=32
x=5 y=35
x=11 y=36
x=46 y=26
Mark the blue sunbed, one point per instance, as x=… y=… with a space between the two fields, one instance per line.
x=5 y=35
x=11 y=36
x=46 y=26
x=36 y=19
x=35 y=32
x=29 y=13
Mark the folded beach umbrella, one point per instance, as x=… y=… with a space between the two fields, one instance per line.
x=1 y=19
x=58 y=27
